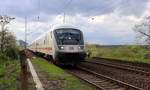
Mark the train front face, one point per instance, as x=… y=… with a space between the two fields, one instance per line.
x=70 y=45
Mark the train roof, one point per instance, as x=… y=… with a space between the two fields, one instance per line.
x=54 y=28
x=63 y=26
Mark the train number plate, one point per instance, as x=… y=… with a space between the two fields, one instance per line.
x=71 y=48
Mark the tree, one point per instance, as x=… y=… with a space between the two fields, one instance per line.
x=9 y=44
x=9 y=39
x=4 y=20
x=143 y=30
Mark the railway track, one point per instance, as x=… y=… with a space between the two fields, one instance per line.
x=141 y=66
x=136 y=69
x=101 y=82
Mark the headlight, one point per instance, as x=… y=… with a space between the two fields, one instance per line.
x=81 y=47
x=61 y=47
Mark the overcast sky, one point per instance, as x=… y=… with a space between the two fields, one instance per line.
x=102 y=21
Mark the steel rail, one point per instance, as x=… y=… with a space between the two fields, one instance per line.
x=111 y=82
x=111 y=79
x=97 y=86
x=108 y=60
x=130 y=68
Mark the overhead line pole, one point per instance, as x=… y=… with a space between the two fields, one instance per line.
x=64 y=17
x=25 y=32
x=64 y=14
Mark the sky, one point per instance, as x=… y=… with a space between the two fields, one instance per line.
x=103 y=22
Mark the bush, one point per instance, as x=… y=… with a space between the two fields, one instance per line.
x=12 y=53
x=3 y=58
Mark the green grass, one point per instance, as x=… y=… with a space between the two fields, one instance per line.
x=128 y=53
x=56 y=73
x=9 y=72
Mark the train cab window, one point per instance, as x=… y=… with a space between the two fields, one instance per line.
x=68 y=36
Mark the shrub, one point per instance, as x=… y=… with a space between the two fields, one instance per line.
x=12 y=53
x=3 y=57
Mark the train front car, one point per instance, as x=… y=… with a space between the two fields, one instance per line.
x=70 y=46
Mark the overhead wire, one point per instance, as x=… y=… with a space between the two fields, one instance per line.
x=64 y=10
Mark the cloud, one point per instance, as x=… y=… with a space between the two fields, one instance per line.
x=105 y=31
x=102 y=21
x=132 y=7
x=30 y=8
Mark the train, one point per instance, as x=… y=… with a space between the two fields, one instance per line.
x=62 y=44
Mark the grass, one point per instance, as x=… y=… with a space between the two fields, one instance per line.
x=9 y=72
x=56 y=73
x=128 y=53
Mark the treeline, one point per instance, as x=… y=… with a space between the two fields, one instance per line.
x=8 y=45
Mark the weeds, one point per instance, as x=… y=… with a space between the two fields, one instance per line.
x=9 y=73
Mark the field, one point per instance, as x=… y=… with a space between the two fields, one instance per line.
x=9 y=73
x=131 y=53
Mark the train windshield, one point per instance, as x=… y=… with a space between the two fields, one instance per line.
x=68 y=36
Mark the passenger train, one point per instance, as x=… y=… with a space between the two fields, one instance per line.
x=63 y=44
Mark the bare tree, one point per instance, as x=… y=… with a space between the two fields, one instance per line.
x=143 y=30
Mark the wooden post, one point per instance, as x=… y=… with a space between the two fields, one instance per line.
x=24 y=72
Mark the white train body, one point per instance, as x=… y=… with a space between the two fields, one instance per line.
x=60 y=43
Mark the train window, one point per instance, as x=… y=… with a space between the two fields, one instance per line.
x=37 y=44
x=51 y=34
x=44 y=41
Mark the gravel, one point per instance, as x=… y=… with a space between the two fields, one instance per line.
x=138 y=80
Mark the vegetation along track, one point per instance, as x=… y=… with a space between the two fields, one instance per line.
x=100 y=81
x=135 y=69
